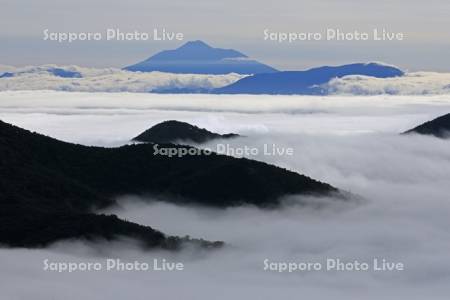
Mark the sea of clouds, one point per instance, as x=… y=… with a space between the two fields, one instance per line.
x=107 y=80
x=117 y=80
x=352 y=143
x=416 y=83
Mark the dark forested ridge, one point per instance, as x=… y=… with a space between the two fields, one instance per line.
x=42 y=177
x=439 y=127
x=172 y=131
x=23 y=226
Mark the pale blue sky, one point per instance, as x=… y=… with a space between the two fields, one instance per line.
x=234 y=24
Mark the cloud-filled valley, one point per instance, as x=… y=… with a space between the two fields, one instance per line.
x=350 y=142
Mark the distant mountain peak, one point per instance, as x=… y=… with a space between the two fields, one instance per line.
x=197 y=57
x=196 y=44
x=205 y=49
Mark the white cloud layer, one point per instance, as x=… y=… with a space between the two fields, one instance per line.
x=73 y=116
x=418 y=83
x=116 y=80
x=108 y=80
x=352 y=143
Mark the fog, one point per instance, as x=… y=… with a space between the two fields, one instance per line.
x=350 y=142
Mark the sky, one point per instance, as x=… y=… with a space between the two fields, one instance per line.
x=228 y=24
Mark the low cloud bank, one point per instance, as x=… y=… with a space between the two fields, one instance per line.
x=86 y=118
x=117 y=80
x=107 y=80
x=418 y=83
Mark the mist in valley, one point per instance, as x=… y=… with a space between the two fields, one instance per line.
x=401 y=213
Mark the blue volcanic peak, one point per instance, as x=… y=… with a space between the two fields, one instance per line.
x=305 y=82
x=197 y=57
x=197 y=51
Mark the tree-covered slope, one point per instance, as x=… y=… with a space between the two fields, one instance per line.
x=49 y=189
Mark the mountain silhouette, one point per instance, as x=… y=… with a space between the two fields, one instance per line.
x=49 y=188
x=39 y=168
x=439 y=127
x=197 y=57
x=173 y=131
x=304 y=82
